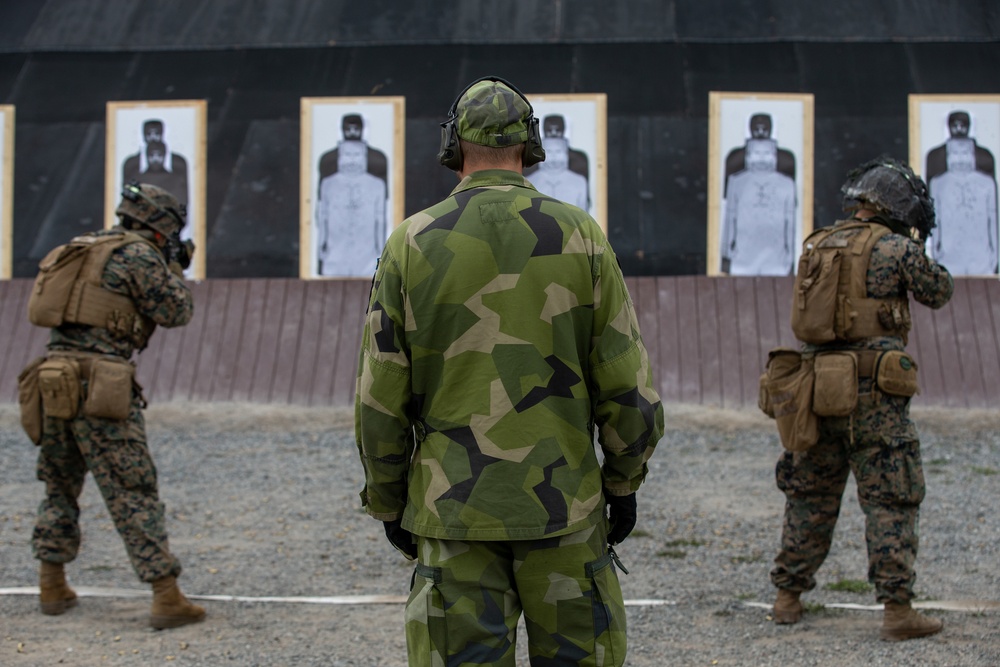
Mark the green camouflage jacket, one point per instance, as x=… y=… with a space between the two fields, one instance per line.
x=499 y=334
x=137 y=270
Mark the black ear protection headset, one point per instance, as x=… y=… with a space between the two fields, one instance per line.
x=450 y=154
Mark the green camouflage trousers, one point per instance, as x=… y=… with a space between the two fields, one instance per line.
x=467 y=597
x=884 y=456
x=116 y=454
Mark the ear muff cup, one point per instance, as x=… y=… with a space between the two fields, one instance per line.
x=450 y=151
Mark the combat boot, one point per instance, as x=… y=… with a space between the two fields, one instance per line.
x=170 y=608
x=787 y=607
x=901 y=621
x=54 y=593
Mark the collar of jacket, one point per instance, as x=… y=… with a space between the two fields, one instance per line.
x=489 y=178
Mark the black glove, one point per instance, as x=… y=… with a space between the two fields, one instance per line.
x=402 y=539
x=622 y=514
x=180 y=252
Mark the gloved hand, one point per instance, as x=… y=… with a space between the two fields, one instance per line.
x=179 y=252
x=401 y=538
x=186 y=253
x=622 y=515
x=176 y=269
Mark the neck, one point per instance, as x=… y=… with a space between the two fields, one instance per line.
x=472 y=167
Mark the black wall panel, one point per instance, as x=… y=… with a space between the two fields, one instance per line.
x=657 y=123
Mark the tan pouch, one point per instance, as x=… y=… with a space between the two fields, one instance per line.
x=109 y=389
x=29 y=398
x=896 y=373
x=59 y=384
x=835 y=393
x=789 y=387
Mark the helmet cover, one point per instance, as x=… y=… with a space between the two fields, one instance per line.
x=153 y=207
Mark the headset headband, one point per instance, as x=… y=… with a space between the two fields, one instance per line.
x=453 y=111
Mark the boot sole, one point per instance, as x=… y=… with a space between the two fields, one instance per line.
x=892 y=636
x=786 y=619
x=58 y=607
x=168 y=622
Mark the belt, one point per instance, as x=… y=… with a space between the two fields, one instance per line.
x=84 y=360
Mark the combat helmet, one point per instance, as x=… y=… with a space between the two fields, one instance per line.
x=153 y=207
x=891 y=187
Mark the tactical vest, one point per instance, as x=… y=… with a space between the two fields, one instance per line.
x=68 y=289
x=830 y=301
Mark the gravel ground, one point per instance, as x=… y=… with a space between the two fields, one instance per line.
x=262 y=503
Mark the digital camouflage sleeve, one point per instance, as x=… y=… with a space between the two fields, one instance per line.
x=499 y=335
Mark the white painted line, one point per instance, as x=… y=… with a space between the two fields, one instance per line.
x=89 y=592
x=973 y=606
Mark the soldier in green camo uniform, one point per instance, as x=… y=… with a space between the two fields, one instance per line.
x=877 y=442
x=115 y=450
x=499 y=337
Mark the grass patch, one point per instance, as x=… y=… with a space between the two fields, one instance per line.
x=745 y=596
x=638 y=532
x=672 y=553
x=813 y=607
x=752 y=558
x=980 y=470
x=938 y=462
x=101 y=568
x=849 y=586
x=684 y=543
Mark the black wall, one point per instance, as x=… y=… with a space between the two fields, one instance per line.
x=657 y=90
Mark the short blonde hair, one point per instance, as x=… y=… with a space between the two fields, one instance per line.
x=493 y=157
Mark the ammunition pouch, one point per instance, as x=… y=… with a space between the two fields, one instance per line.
x=786 y=395
x=59 y=385
x=896 y=374
x=29 y=399
x=109 y=388
x=51 y=387
x=835 y=392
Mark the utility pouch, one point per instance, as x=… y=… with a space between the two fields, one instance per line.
x=59 y=383
x=835 y=393
x=109 y=389
x=29 y=399
x=816 y=303
x=896 y=373
x=788 y=385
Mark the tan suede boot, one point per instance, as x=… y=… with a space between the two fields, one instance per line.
x=901 y=621
x=170 y=608
x=54 y=594
x=787 y=607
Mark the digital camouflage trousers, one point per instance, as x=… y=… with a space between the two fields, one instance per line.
x=878 y=444
x=467 y=597
x=116 y=454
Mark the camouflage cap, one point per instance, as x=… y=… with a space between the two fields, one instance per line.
x=491 y=114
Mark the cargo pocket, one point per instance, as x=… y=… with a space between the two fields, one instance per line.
x=425 y=617
x=608 y=608
x=896 y=477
